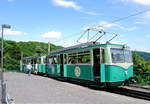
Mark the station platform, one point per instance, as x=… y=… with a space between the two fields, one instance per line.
x=0 y=92
x=37 y=89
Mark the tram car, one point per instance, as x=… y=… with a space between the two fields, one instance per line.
x=37 y=62
x=106 y=65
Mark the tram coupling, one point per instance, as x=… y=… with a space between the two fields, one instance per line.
x=131 y=80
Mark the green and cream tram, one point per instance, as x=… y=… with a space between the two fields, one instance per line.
x=92 y=63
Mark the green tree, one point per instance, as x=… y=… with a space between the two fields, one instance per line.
x=141 y=69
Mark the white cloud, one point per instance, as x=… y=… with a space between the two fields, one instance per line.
x=147 y=16
x=128 y=28
x=109 y=25
x=140 y=22
x=10 y=0
x=11 y=32
x=89 y=13
x=147 y=36
x=67 y=4
x=51 y=34
x=143 y=2
x=72 y=4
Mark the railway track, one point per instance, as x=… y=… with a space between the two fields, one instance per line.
x=130 y=92
x=139 y=86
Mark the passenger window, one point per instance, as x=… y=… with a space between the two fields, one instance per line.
x=39 y=60
x=65 y=59
x=80 y=58
x=49 y=59
x=44 y=60
x=73 y=58
x=54 y=60
x=102 y=56
x=57 y=59
x=84 y=57
x=31 y=62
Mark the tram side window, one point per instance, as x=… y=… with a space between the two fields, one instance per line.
x=84 y=57
x=50 y=60
x=44 y=60
x=72 y=58
x=57 y=59
x=103 y=56
x=65 y=59
x=28 y=61
x=38 y=60
x=32 y=62
x=24 y=62
x=54 y=60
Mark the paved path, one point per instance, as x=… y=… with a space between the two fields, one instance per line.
x=42 y=90
x=0 y=92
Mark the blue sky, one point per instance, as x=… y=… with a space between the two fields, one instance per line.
x=61 y=22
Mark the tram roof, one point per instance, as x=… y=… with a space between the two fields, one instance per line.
x=83 y=46
x=32 y=57
x=79 y=46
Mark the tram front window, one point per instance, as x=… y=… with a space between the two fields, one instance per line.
x=121 y=56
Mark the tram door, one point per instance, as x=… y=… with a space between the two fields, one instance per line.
x=61 y=65
x=96 y=61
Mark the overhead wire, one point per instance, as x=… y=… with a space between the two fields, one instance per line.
x=82 y=35
x=129 y=16
x=114 y=21
x=123 y=18
x=94 y=36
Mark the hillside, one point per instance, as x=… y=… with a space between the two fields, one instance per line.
x=144 y=55
x=13 y=51
x=34 y=48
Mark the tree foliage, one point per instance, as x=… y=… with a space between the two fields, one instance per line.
x=141 y=69
x=13 y=51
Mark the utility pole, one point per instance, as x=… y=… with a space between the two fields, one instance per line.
x=21 y=55
x=21 y=62
x=2 y=55
x=49 y=47
x=2 y=69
